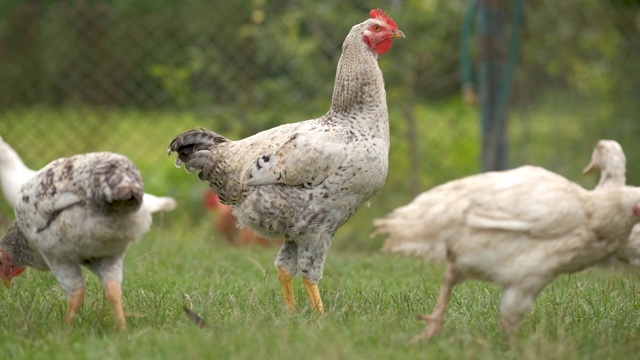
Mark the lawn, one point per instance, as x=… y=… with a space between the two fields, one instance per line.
x=371 y=300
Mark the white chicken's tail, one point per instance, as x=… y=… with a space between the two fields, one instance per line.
x=9 y=157
x=159 y=203
x=405 y=235
x=13 y=172
x=193 y=148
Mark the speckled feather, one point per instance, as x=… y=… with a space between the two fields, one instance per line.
x=302 y=181
x=81 y=210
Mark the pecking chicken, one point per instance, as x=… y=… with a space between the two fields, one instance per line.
x=302 y=181
x=609 y=158
x=520 y=229
x=82 y=210
x=226 y=224
x=13 y=173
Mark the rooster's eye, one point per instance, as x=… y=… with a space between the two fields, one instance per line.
x=376 y=27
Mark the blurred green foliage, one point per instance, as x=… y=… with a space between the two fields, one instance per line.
x=128 y=75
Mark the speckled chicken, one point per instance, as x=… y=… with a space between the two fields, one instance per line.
x=302 y=181
x=520 y=229
x=14 y=173
x=83 y=210
x=609 y=158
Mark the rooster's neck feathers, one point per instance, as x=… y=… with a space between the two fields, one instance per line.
x=359 y=85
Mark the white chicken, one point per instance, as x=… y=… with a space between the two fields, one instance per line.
x=302 y=181
x=82 y=210
x=520 y=229
x=13 y=173
x=609 y=158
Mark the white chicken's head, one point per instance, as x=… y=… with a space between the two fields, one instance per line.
x=607 y=156
x=379 y=31
x=8 y=270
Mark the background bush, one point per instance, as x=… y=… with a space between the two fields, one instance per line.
x=127 y=76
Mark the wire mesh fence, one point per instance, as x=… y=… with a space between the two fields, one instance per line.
x=126 y=76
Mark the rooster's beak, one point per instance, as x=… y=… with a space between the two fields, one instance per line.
x=7 y=282
x=397 y=33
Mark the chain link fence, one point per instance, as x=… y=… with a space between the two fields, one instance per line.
x=126 y=76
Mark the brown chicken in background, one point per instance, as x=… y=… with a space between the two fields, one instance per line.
x=226 y=224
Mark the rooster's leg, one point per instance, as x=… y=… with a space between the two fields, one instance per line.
x=114 y=295
x=74 y=302
x=287 y=288
x=435 y=320
x=286 y=263
x=314 y=295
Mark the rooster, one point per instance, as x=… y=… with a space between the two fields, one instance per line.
x=13 y=173
x=83 y=210
x=520 y=229
x=302 y=181
x=226 y=224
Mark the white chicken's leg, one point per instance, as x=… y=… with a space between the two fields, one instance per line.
x=70 y=278
x=515 y=303
x=114 y=294
x=74 y=302
x=435 y=320
x=109 y=271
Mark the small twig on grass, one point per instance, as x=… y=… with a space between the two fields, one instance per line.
x=194 y=317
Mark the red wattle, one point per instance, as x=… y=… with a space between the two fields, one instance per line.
x=383 y=46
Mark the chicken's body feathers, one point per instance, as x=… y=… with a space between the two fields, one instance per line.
x=518 y=228
x=302 y=181
x=83 y=210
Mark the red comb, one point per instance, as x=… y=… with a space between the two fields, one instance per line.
x=380 y=15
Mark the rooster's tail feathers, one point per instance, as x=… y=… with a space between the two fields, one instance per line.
x=193 y=148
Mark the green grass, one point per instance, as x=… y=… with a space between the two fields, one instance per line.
x=371 y=300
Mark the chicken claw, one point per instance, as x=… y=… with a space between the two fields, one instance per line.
x=434 y=324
